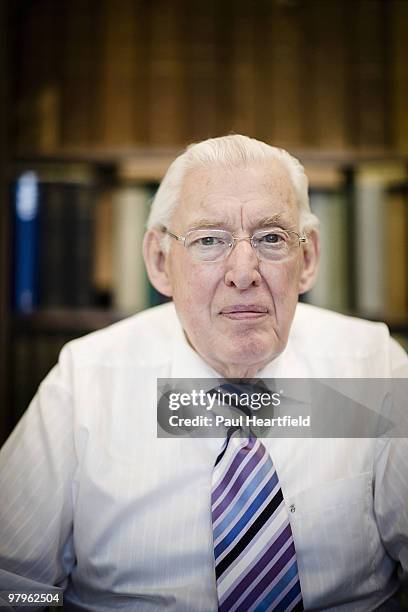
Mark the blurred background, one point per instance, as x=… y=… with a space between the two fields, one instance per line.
x=97 y=98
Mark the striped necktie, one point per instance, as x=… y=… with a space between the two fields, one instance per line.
x=255 y=558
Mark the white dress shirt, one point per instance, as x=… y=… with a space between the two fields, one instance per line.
x=91 y=500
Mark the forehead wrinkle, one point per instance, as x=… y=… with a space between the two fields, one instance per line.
x=282 y=219
x=207 y=223
x=273 y=220
x=203 y=195
x=278 y=219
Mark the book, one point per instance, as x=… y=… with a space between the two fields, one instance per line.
x=102 y=272
x=224 y=66
x=323 y=63
x=398 y=73
x=26 y=208
x=166 y=81
x=286 y=93
x=77 y=244
x=331 y=288
x=396 y=253
x=107 y=249
x=54 y=266
x=243 y=70
x=367 y=74
x=36 y=108
x=66 y=235
x=79 y=50
x=372 y=243
x=131 y=204
x=122 y=84
x=201 y=70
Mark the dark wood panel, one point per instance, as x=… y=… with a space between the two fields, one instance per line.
x=4 y=227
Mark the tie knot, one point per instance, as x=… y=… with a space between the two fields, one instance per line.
x=246 y=400
x=239 y=393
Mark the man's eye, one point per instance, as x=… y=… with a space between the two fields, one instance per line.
x=209 y=241
x=272 y=238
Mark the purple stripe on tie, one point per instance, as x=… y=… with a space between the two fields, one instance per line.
x=255 y=482
x=256 y=451
x=246 y=520
x=289 y=595
x=259 y=566
x=250 y=466
x=265 y=583
x=233 y=467
x=262 y=551
x=290 y=592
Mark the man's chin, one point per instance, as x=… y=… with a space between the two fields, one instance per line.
x=242 y=362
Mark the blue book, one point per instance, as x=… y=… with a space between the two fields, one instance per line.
x=26 y=212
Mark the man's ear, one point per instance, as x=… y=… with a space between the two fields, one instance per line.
x=311 y=255
x=155 y=261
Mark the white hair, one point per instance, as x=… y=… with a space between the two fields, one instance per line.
x=230 y=151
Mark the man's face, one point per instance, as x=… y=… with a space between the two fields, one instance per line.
x=236 y=313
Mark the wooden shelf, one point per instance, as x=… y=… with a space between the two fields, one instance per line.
x=130 y=164
x=116 y=154
x=150 y=164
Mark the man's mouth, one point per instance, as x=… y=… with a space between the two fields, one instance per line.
x=244 y=311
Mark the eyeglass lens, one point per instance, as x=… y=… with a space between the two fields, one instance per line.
x=212 y=245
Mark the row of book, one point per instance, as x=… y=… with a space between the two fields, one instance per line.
x=78 y=244
x=52 y=237
x=99 y=75
x=364 y=242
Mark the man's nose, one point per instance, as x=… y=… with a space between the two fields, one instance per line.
x=242 y=266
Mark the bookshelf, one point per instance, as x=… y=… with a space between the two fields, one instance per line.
x=121 y=92
x=125 y=181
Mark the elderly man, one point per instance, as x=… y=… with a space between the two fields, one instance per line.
x=94 y=502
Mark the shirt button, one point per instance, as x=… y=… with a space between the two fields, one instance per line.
x=292 y=508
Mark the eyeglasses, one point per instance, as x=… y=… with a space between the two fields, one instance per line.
x=214 y=245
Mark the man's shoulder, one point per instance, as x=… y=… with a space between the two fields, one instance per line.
x=145 y=337
x=315 y=321
x=338 y=338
